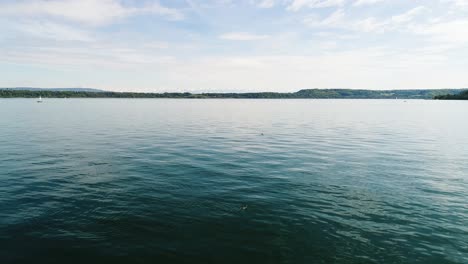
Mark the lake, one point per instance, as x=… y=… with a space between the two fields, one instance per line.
x=233 y=181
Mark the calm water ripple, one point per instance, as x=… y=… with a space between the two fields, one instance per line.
x=232 y=181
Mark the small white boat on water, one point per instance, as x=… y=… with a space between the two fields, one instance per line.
x=39 y=100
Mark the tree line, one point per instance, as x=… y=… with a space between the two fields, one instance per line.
x=460 y=96
x=302 y=94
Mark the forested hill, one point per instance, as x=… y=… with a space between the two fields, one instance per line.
x=460 y=96
x=374 y=94
x=307 y=93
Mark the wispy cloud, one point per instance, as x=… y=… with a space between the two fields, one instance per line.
x=338 y=19
x=266 y=3
x=453 y=32
x=460 y=3
x=242 y=36
x=366 y=2
x=50 y=30
x=93 y=12
x=296 y=5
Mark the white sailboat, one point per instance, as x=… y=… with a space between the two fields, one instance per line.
x=39 y=100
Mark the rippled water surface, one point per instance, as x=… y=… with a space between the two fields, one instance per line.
x=233 y=181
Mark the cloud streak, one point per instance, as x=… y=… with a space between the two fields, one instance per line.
x=91 y=12
x=296 y=5
x=366 y=2
x=242 y=36
x=338 y=19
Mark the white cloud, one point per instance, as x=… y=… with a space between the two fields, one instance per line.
x=296 y=5
x=242 y=36
x=100 y=55
x=49 y=30
x=338 y=19
x=409 y=15
x=266 y=3
x=94 y=12
x=450 y=32
x=370 y=24
x=461 y=3
x=366 y=2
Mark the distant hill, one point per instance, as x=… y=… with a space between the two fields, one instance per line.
x=55 y=89
x=341 y=94
x=374 y=94
x=459 y=96
x=302 y=94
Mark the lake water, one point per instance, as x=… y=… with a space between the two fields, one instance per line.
x=233 y=181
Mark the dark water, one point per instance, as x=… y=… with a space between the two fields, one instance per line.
x=195 y=181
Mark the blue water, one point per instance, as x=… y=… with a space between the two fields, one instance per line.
x=196 y=181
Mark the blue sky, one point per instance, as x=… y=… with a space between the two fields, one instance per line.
x=227 y=45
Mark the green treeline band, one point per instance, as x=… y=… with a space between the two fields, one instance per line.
x=307 y=93
x=461 y=96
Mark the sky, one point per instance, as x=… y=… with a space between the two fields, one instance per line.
x=234 y=45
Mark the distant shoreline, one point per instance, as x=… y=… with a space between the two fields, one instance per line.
x=459 y=96
x=302 y=94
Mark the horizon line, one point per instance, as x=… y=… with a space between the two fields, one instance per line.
x=225 y=91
